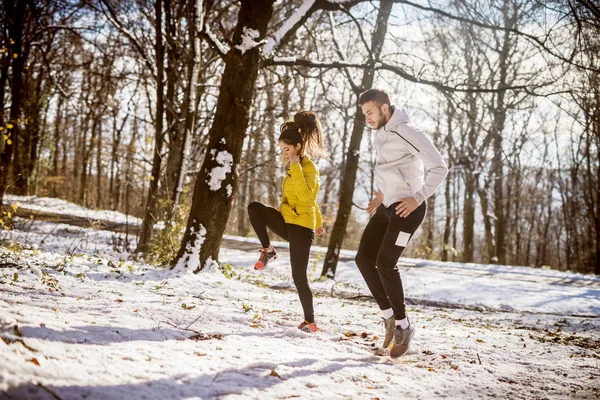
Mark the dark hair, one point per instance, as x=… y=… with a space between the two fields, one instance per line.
x=290 y=134
x=379 y=96
x=305 y=130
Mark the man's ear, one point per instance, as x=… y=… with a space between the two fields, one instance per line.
x=385 y=108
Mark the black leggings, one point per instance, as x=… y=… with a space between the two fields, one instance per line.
x=300 y=239
x=383 y=242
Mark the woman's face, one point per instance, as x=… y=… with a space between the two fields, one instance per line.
x=288 y=150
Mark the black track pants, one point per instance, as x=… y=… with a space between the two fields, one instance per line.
x=300 y=239
x=382 y=243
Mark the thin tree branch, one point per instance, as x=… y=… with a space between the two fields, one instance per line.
x=290 y=61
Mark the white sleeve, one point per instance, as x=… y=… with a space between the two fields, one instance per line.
x=435 y=166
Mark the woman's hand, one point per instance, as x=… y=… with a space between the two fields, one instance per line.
x=294 y=159
x=320 y=230
x=376 y=202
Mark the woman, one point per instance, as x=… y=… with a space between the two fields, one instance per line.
x=298 y=217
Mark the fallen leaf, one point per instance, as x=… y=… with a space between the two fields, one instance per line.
x=118 y=301
x=364 y=335
x=35 y=361
x=428 y=352
x=274 y=373
x=455 y=367
x=203 y=336
x=199 y=354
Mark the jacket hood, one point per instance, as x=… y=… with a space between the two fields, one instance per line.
x=400 y=116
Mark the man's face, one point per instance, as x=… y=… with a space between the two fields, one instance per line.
x=374 y=114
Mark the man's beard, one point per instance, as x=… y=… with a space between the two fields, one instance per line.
x=381 y=122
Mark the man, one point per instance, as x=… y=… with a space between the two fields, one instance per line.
x=409 y=169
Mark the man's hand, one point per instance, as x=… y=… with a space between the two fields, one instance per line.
x=320 y=230
x=406 y=206
x=376 y=202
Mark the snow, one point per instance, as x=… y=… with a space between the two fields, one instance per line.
x=59 y=206
x=248 y=40
x=190 y=261
x=273 y=41
x=223 y=49
x=284 y=59
x=487 y=286
x=85 y=319
x=218 y=174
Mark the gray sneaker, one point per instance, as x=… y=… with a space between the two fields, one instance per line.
x=402 y=338
x=390 y=324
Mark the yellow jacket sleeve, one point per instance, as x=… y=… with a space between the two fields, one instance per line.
x=306 y=182
x=319 y=217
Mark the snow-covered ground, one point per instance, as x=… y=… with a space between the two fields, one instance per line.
x=59 y=206
x=81 y=319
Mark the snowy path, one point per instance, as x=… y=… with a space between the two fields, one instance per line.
x=453 y=283
x=83 y=320
x=445 y=284
x=86 y=325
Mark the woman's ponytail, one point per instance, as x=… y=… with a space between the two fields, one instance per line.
x=312 y=135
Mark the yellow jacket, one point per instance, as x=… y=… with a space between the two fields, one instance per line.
x=300 y=188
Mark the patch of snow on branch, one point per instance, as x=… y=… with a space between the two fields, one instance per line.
x=220 y=46
x=284 y=59
x=249 y=42
x=274 y=40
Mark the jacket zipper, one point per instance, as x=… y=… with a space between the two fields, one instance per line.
x=414 y=147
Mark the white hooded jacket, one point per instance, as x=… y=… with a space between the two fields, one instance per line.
x=408 y=164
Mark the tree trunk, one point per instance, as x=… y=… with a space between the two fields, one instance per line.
x=114 y=166
x=272 y=136
x=469 y=217
x=99 y=202
x=447 y=224
x=27 y=154
x=152 y=198
x=56 y=147
x=129 y=159
x=450 y=114
x=352 y=156
x=87 y=155
x=498 y=129
x=15 y=13
x=190 y=103
x=39 y=146
x=217 y=179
